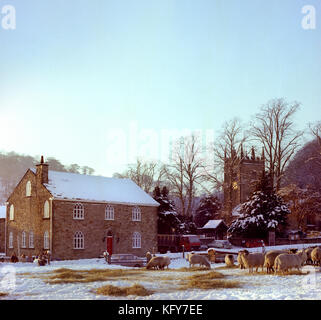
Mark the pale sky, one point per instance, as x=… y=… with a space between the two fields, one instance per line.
x=85 y=81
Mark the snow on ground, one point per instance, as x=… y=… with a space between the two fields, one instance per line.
x=254 y=287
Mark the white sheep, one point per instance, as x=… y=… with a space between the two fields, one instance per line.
x=229 y=260
x=239 y=260
x=148 y=256
x=269 y=259
x=252 y=260
x=316 y=256
x=158 y=263
x=286 y=261
x=200 y=260
x=304 y=256
x=308 y=252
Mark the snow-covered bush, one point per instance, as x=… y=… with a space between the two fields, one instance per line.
x=263 y=211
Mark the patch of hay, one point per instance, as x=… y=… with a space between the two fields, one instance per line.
x=63 y=275
x=136 y=289
x=227 y=267
x=211 y=284
x=207 y=276
x=3 y=294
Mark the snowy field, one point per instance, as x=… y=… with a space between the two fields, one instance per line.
x=30 y=285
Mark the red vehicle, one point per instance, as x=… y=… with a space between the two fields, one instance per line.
x=190 y=242
x=174 y=243
x=254 y=243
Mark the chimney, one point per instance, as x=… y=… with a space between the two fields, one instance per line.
x=42 y=171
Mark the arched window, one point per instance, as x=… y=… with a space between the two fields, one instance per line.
x=46 y=209
x=137 y=240
x=109 y=213
x=136 y=214
x=31 y=244
x=23 y=239
x=10 y=240
x=79 y=211
x=46 y=240
x=79 y=240
x=28 y=189
x=11 y=214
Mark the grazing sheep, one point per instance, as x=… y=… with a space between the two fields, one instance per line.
x=252 y=260
x=316 y=256
x=158 y=263
x=229 y=260
x=304 y=256
x=199 y=259
x=269 y=259
x=239 y=260
x=308 y=252
x=211 y=254
x=286 y=261
x=148 y=256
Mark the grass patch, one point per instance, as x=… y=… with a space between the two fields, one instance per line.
x=136 y=289
x=211 y=284
x=3 y=294
x=209 y=280
x=292 y=273
x=227 y=268
x=63 y=275
x=187 y=269
x=207 y=276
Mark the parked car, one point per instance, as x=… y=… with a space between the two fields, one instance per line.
x=220 y=244
x=127 y=260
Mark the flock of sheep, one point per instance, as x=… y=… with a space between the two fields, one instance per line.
x=276 y=260
x=273 y=261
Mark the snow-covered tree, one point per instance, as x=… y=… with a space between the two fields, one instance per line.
x=207 y=209
x=264 y=211
x=168 y=221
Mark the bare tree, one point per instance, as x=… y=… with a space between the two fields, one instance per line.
x=145 y=174
x=274 y=129
x=315 y=130
x=227 y=151
x=185 y=172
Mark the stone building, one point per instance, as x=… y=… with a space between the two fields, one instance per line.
x=2 y=228
x=239 y=175
x=78 y=216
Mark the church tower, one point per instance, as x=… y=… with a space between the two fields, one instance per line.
x=240 y=171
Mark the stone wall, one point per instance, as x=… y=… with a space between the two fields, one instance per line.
x=28 y=216
x=94 y=228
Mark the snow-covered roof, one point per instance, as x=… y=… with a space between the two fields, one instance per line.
x=3 y=212
x=212 y=224
x=73 y=186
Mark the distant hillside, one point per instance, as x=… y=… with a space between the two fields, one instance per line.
x=305 y=167
x=13 y=166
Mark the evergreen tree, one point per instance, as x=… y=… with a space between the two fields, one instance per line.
x=207 y=210
x=168 y=222
x=263 y=211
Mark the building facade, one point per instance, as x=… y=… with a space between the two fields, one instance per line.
x=78 y=216
x=239 y=175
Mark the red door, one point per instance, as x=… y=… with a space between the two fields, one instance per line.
x=110 y=245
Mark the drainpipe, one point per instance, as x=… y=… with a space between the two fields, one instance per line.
x=51 y=224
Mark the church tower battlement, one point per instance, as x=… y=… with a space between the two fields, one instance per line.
x=240 y=171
